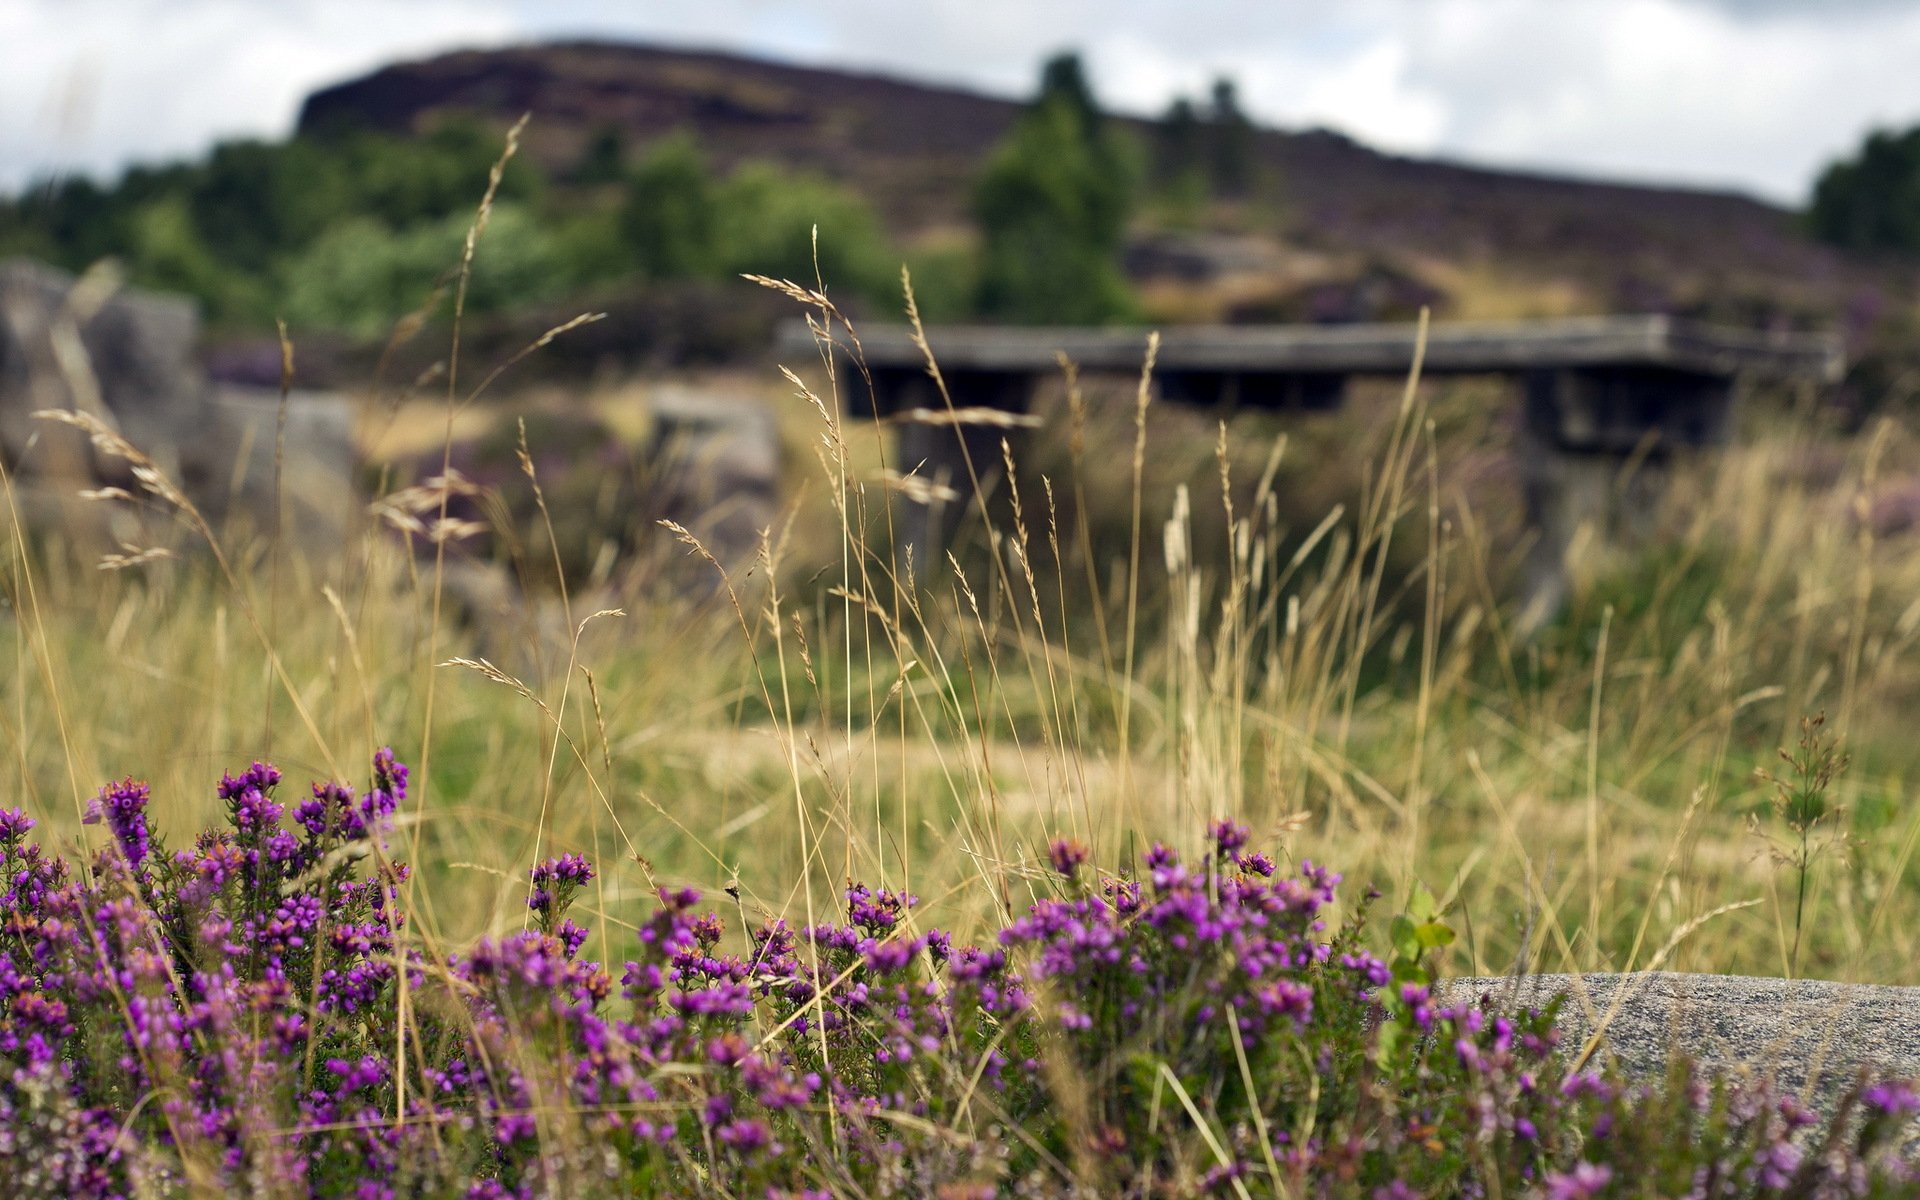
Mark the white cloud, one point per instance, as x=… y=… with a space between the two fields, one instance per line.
x=91 y=84
x=1666 y=90
x=1754 y=93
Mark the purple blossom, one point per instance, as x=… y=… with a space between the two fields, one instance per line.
x=554 y=883
x=1585 y=1181
x=231 y=1001
x=1067 y=856
x=14 y=824
x=247 y=794
x=1227 y=836
x=1894 y=1098
x=123 y=808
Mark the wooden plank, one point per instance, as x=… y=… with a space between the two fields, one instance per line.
x=1378 y=349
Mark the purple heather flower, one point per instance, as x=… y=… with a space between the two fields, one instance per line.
x=1227 y=836
x=568 y=868
x=294 y=920
x=1777 y=1165
x=367 y=1072
x=515 y=1126
x=1893 y=1098
x=1288 y=998
x=123 y=807
x=248 y=804
x=554 y=883
x=1255 y=864
x=1587 y=1083
x=745 y=1136
x=14 y=824
x=876 y=912
x=389 y=778
x=1369 y=968
x=1584 y=1182
x=96 y=971
x=1067 y=856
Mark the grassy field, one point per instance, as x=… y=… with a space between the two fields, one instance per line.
x=1298 y=623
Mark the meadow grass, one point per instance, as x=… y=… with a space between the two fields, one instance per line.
x=1156 y=650
x=1147 y=626
x=1350 y=682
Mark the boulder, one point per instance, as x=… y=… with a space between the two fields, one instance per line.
x=715 y=468
x=319 y=501
x=1810 y=1037
x=127 y=358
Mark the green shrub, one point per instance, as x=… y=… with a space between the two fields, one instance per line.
x=361 y=275
x=1053 y=206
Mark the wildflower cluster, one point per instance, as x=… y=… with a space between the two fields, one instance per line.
x=249 y=1016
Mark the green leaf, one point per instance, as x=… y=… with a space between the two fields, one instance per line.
x=1409 y=970
x=1388 y=1039
x=1406 y=938
x=1422 y=907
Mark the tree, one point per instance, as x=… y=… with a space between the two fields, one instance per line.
x=361 y=275
x=255 y=200
x=1872 y=201
x=1206 y=150
x=605 y=158
x=1230 y=147
x=669 y=216
x=1180 y=146
x=767 y=218
x=1052 y=207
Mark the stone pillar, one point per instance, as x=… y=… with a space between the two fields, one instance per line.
x=715 y=468
x=932 y=447
x=1582 y=428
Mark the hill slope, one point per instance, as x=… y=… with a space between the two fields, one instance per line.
x=913 y=148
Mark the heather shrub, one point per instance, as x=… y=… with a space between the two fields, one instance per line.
x=251 y=1015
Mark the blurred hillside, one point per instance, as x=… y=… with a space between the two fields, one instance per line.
x=650 y=179
x=913 y=150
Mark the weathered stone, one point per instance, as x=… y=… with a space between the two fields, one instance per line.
x=1200 y=257
x=125 y=357
x=1810 y=1037
x=948 y=457
x=714 y=467
x=318 y=500
x=128 y=359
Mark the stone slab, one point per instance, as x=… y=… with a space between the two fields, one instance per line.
x=1463 y=347
x=1811 y=1037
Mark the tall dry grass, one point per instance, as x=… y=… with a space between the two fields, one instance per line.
x=1139 y=633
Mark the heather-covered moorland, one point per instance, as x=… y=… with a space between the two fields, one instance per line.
x=1117 y=852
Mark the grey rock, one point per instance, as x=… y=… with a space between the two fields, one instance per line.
x=715 y=468
x=1810 y=1037
x=1199 y=257
x=318 y=501
x=127 y=357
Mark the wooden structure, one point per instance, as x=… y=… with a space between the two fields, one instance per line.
x=1597 y=391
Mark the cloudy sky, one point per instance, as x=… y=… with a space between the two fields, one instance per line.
x=1752 y=94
